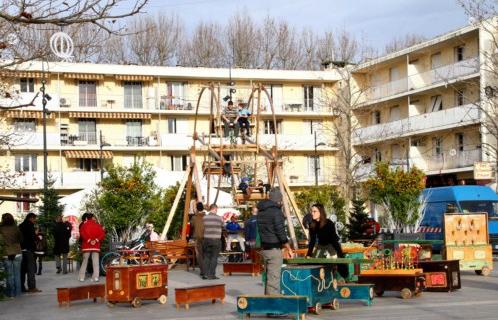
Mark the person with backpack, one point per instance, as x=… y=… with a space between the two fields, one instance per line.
x=40 y=249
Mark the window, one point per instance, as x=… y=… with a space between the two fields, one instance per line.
x=171 y=125
x=26 y=162
x=376 y=117
x=24 y=207
x=89 y=164
x=24 y=125
x=311 y=165
x=377 y=156
x=437 y=146
x=132 y=95
x=270 y=127
x=308 y=98
x=436 y=103
x=459 y=137
x=88 y=93
x=175 y=98
x=459 y=53
x=395 y=153
x=134 y=133
x=394 y=113
x=436 y=60
x=87 y=131
x=459 y=97
x=312 y=126
x=27 y=84
x=276 y=93
x=178 y=163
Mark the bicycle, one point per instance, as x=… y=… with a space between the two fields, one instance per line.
x=130 y=256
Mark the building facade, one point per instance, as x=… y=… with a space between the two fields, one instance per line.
x=421 y=106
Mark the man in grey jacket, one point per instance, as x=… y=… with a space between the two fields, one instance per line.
x=271 y=227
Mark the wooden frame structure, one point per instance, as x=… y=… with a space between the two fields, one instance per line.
x=228 y=158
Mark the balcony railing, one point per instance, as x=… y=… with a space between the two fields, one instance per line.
x=71 y=179
x=83 y=139
x=448 y=118
x=424 y=79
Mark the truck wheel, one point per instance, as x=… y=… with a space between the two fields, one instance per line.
x=318 y=308
x=334 y=305
x=162 y=299
x=485 y=271
x=406 y=293
x=136 y=302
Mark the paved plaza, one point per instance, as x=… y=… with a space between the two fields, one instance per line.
x=478 y=299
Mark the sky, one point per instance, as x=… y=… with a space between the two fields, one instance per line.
x=377 y=21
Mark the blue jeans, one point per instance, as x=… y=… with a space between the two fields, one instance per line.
x=13 y=279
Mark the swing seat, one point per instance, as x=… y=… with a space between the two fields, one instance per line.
x=253 y=194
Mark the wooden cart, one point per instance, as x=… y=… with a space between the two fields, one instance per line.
x=132 y=284
x=408 y=282
x=441 y=275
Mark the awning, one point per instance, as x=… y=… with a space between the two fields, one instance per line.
x=110 y=115
x=129 y=77
x=22 y=74
x=84 y=76
x=88 y=154
x=28 y=114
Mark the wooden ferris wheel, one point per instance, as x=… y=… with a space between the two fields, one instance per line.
x=221 y=163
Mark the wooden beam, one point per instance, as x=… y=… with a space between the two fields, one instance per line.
x=294 y=204
x=175 y=203
x=285 y=203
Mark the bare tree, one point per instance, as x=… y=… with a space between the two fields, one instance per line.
x=288 y=48
x=325 y=48
x=241 y=35
x=308 y=45
x=205 y=47
x=399 y=43
x=115 y=51
x=268 y=43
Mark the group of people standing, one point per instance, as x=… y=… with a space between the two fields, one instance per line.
x=267 y=221
x=24 y=248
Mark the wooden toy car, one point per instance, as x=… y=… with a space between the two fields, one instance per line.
x=443 y=275
x=355 y=292
x=132 y=284
x=274 y=304
x=408 y=282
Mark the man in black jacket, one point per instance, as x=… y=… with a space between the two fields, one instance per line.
x=28 y=264
x=271 y=229
x=62 y=234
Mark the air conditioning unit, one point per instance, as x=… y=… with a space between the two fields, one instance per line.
x=64 y=103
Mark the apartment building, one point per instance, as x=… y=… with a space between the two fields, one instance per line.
x=103 y=113
x=421 y=106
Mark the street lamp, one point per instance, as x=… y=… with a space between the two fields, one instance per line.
x=316 y=159
x=45 y=99
x=101 y=162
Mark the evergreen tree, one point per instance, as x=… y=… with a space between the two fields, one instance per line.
x=49 y=209
x=357 y=220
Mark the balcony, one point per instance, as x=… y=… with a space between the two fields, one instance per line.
x=309 y=179
x=421 y=80
x=427 y=122
x=81 y=139
x=31 y=140
x=67 y=180
x=448 y=161
x=298 y=141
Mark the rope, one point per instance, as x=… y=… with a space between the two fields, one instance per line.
x=321 y=282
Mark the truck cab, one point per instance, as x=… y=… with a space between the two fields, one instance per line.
x=458 y=199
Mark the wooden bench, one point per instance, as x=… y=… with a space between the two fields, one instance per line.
x=200 y=293
x=242 y=267
x=92 y=291
x=173 y=250
x=277 y=304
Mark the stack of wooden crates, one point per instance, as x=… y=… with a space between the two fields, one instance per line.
x=466 y=238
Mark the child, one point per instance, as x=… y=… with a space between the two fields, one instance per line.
x=244 y=115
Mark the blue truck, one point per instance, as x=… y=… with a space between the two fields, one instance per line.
x=459 y=199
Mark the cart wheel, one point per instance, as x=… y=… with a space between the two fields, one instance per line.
x=334 y=305
x=485 y=271
x=111 y=304
x=162 y=299
x=379 y=292
x=406 y=293
x=318 y=308
x=418 y=293
x=371 y=293
x=136 y=302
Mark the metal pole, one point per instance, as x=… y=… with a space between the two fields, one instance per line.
x=316 y=164
x=45 y=160
x=101 y=161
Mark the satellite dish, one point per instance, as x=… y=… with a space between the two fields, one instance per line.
x=453 y=152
